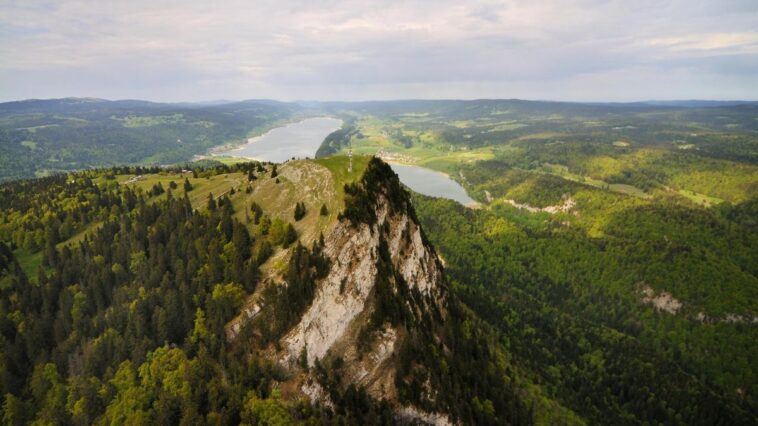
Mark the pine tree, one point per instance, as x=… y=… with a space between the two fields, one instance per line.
x=257 y=212
x=211 y=202
x=290 y=235
x=299 y=211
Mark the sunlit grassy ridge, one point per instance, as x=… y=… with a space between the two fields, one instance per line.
x=313 y=182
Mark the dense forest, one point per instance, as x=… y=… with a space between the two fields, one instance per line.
x=124 y=319
x=569 y=309
x=127 y=326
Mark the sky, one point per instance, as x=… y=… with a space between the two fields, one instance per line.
x=190 y=50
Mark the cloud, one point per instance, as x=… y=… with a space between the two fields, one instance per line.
x=746 y=42
x=195 y=50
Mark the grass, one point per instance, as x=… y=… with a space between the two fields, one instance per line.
x=338 y=166
x=30 y=262
x=507 y=126
x=29 y=144
x=700 y=199
x=703 y=181
x=229 y=160
x=44 y=172
x=201 y=187
x=79 y=236
x=431 y=153
x=628 y=190
x=563 y=172
x=153 y=120
x=312 y=182
x=33 y=129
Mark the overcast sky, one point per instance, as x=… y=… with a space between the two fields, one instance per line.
x=192 y=50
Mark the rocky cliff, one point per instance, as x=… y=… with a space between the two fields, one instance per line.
x=362 y=323
x=383 y=282
x=340 y=319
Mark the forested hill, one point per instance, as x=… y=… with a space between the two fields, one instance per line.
x=40 y=137
x=137 y=296
x=301 y=293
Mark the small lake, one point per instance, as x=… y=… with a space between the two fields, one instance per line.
x=298 y=140
x=432 y=183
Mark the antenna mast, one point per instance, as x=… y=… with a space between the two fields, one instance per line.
x=350 y=157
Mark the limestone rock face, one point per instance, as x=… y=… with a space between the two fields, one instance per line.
x=343 y=295
x=343 y=302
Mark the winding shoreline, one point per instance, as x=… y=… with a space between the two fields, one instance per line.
x=298 y=137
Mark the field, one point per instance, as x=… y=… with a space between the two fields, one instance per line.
x=632 y=150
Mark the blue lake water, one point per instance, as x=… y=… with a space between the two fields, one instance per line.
x=302 y=139
x=432 y=183
x=298 y=140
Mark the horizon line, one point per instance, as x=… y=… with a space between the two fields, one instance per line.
x=306 y=101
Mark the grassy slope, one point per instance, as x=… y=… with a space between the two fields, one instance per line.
x=30 y=262
x=277 y=200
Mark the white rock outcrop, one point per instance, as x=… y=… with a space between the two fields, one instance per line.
x=342 y=296
x=662 y=301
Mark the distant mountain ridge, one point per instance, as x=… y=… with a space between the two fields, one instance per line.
x=684 y=103
x=78 y=104
x=43 y=136
x=699 y=103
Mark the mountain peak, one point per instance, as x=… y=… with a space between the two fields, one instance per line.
x=382 y=282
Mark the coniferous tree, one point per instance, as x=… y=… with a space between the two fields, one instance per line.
x=290 y=235
x=299 y=211
x=257 y=212
x=211 y=202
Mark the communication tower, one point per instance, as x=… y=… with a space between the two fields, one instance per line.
x=350 y=158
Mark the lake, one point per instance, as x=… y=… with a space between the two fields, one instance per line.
x=432 y=183
x=298 y=140
x=302 y=139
